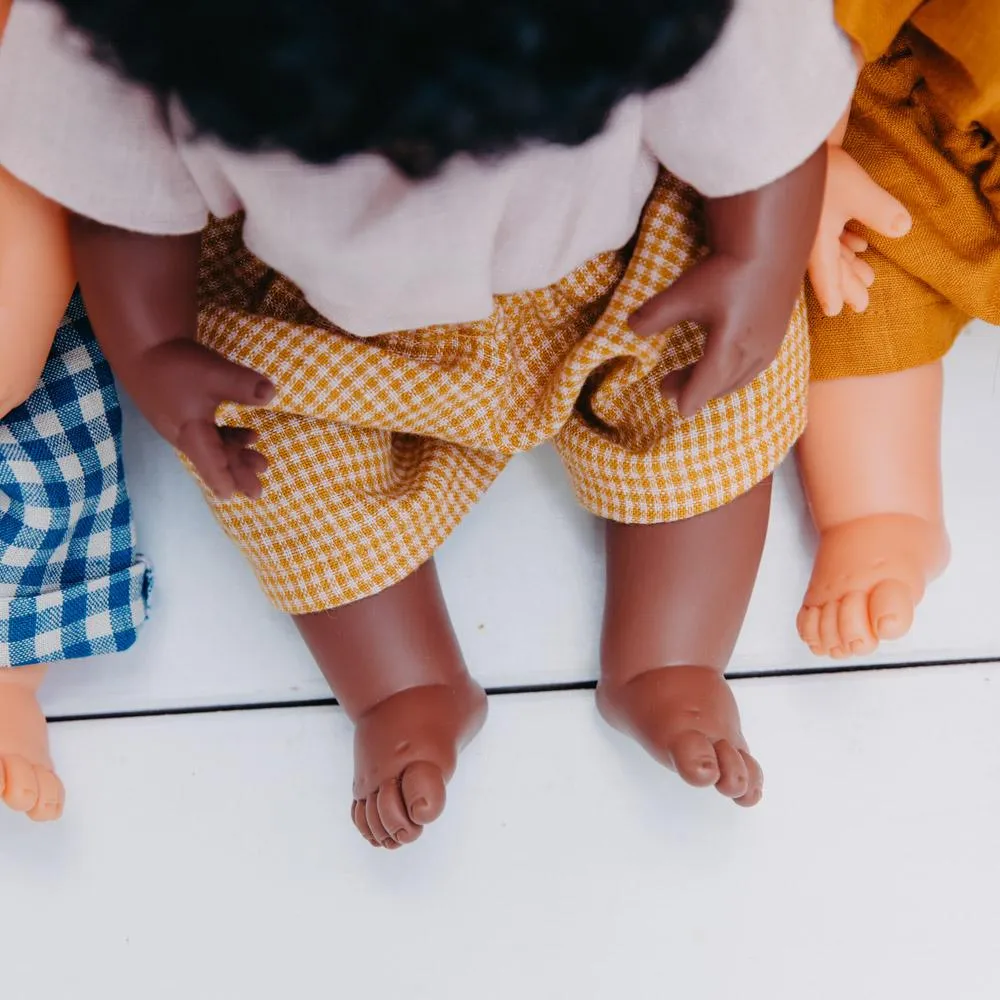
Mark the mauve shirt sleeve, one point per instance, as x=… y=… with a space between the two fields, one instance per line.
x=760 y=103
x=75 y=131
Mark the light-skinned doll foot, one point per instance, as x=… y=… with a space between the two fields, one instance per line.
x=686 y=718
x=28 y=782
x=871 y=467
x=870 y=574
x=393 y=663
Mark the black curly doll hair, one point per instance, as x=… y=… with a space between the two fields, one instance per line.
x=413 y=80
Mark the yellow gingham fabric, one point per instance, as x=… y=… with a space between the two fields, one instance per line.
x=379 y=446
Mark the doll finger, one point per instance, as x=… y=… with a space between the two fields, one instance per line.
x=855 y=293
x=723 y=365
x=824 y=274
x=254 y=461
x=711 y=377
x=753 y=367
x=251 y=466
x=245 y=464
x=229 y=382
x=853 y=242
x=673 y=382
x=875 y=208
x=861 y=269
x=855 y=275
x=201 y=442
x=245 y=476
x=864 y=271
x=684 y=300
x=242 y=437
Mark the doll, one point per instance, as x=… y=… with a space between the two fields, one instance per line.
x=446 y=234
x=923 y=126
x=71 y=584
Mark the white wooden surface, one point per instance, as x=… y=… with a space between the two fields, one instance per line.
x=523 y=575
x=210 y=856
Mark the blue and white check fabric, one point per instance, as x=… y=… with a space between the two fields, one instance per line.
x=71 y=581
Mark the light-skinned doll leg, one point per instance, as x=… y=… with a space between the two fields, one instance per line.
x=677 y=594
x=28 y=782
x=870 y=461
x=394 y=664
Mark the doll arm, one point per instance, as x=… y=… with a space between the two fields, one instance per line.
x=747 y=129
x=36 y=282
x=90 y=141
x=743 y=292
x=141 y=294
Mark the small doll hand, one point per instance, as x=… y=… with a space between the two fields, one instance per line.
x=837 y=273
x=744 y=314
x=182 y=384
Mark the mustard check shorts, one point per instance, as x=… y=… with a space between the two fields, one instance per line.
x=379 y=446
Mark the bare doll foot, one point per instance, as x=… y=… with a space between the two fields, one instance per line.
x=405 y=752
x=686 y=718
x=28 y=782
x=869 y=576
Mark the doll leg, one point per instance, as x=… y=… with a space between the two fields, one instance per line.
x=686 y=505
x=394 y=665
x=871 y=464
x=28 y=782
x=342 y=539
x=676 y=598
x=352 y=563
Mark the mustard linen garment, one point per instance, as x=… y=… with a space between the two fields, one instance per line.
x=924 y=125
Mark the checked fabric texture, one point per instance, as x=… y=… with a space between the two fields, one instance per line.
x=379 y=446
x=71 y=582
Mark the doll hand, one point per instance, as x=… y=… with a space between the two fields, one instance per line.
x=837 y=274
x=182 y=385
x=745 y=316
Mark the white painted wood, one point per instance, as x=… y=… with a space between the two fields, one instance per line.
x=212 y=857
x=523 y=575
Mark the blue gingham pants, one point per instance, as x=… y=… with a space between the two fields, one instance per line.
x=71 y=581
